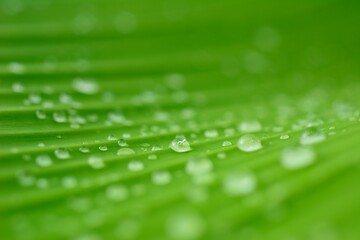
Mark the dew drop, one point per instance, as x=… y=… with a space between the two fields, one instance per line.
x=43 y=161
x=198 y=166
x=250 y=126
x=122 y=143
x=117 y=193
x=103 y=148
x=185 y=226
x=96 y=162
x=226 y=143
x=238 y=184
x=249 y=143
x=84 y=149
x=312 y=136
x=40 y=114
x=85 y=86
x=18 y=88
x=62 y=153
x=161 y=177
x=135 y=166
x=284 y=137
x=180 y=144
x=213 y=133
x=125 y=151
x=16 y=68
x=69 y=182
x=152 y=157
x=294 y=158
x=59 y=117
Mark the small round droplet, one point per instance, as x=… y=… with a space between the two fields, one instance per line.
x=103 y=148
x=152 y=157
x=161 y=177
x=135 y=166
x=117 y=193
x=84 y=149
x=43 y=161
x=18 y=88
x=294 y=158
x=226 y=143
x=238 y=184
x=69 y=182
x=212 y=133
x=180 y=144
x=284 y=137
x=62 y=153
x=96 y=162
x=249 y=143
x=16 y=68
x=40 y=114
x=59 y=117
x=85 y=86
x=250 y=126
x=198 y=166
x=185 y=226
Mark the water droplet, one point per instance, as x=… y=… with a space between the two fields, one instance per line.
x=249 y=143
x=103 y=148
x=284 y=137
x=156 y=147
x=96 y=162
x=117 y=193
x=85 y=86
x=152 y=157
x=180 y=144
x=226 y=143
x=25 y=178
x=213 y=133
x=59 y=117
x=135 y=166
x=16 y=68
x=161 y=177
x=250 y=126
x=40 y=114
x=69 y=182
x=18 y=88
x=84 y=149
x=311 y=136
x=293 y=158
x=198 y=166
x=35 y=98
x=221 y=155
x=43 y=161
x=185 y=226
x=122 y=143
x=112 y=138
x=125 y=151
x=62 y=153
x=238 y=184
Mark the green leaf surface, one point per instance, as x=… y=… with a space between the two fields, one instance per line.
x=181 y=120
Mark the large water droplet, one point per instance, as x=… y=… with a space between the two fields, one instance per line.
x=180 y=144
x=249 y=143
x=294 y=158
